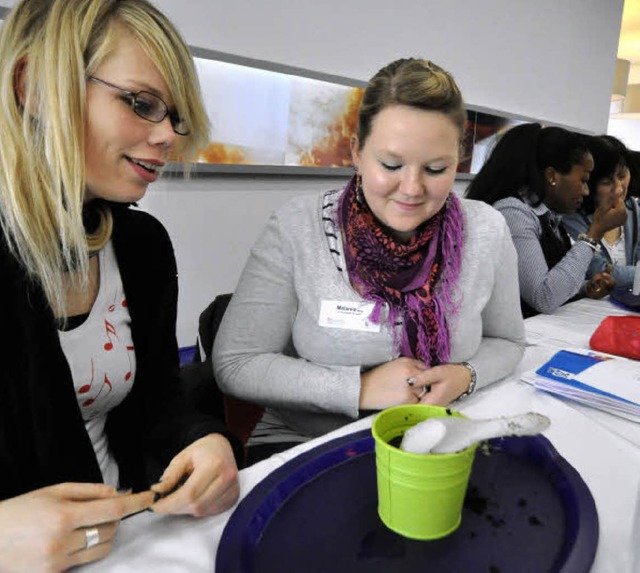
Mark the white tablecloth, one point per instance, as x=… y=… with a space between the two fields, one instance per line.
x=604 y=449
x=572 y=324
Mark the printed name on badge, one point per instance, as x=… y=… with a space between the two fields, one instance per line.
x=349 y=315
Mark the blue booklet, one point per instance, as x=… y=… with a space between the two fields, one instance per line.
x=603 y=381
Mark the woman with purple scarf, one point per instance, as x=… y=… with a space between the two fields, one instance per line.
x=390 y=291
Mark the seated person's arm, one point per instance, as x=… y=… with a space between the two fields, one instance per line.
x=543 y=288
x=248 y=353
x=622 y=274
x=503 y=338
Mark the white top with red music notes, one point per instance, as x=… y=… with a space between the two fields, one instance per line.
x=102 y=360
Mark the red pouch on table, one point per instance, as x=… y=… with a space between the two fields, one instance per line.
x=619 y=335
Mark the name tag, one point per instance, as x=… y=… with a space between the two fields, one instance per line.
x=348 y=315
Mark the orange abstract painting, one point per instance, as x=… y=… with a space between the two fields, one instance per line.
x=262 y=117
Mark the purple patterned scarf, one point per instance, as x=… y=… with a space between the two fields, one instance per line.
x=415 y=279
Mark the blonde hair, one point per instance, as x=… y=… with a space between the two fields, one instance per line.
x=42 y=157
x=412 y=82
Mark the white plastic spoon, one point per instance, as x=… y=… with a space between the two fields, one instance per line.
x=448 y=435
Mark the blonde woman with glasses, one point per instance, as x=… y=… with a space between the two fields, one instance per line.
x=97 y=95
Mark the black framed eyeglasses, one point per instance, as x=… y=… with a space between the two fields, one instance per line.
x=150 y=107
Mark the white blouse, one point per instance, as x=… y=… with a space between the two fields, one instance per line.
x=101 y=358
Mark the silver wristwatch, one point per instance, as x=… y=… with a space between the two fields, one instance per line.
x=591 y=242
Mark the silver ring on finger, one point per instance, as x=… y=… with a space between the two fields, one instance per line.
x=92 y=536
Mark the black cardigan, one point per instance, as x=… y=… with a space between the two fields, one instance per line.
x=42 y=435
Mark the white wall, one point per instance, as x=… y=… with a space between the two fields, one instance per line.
x=627 y=130
x=545 y=59
x=549 y=60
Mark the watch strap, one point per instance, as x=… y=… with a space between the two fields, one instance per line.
x=472 y=384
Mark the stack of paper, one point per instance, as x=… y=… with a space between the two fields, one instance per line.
x=599 y=380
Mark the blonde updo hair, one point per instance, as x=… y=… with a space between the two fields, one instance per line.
x=415 y=83
x=54 y=46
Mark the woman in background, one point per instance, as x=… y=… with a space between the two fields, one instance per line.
x=389 y=291
x=619 y=247
x=533 y=176
x=96 y=96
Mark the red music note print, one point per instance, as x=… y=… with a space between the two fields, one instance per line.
x=127 y=376
x=109 y=331
x=84 y=389
x=105 y=384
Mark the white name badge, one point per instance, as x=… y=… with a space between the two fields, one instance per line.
x=349 y=315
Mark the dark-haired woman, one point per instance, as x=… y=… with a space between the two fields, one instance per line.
x=619 y=246
x=533 y=176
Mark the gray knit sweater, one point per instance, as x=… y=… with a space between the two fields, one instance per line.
x=271 y=350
